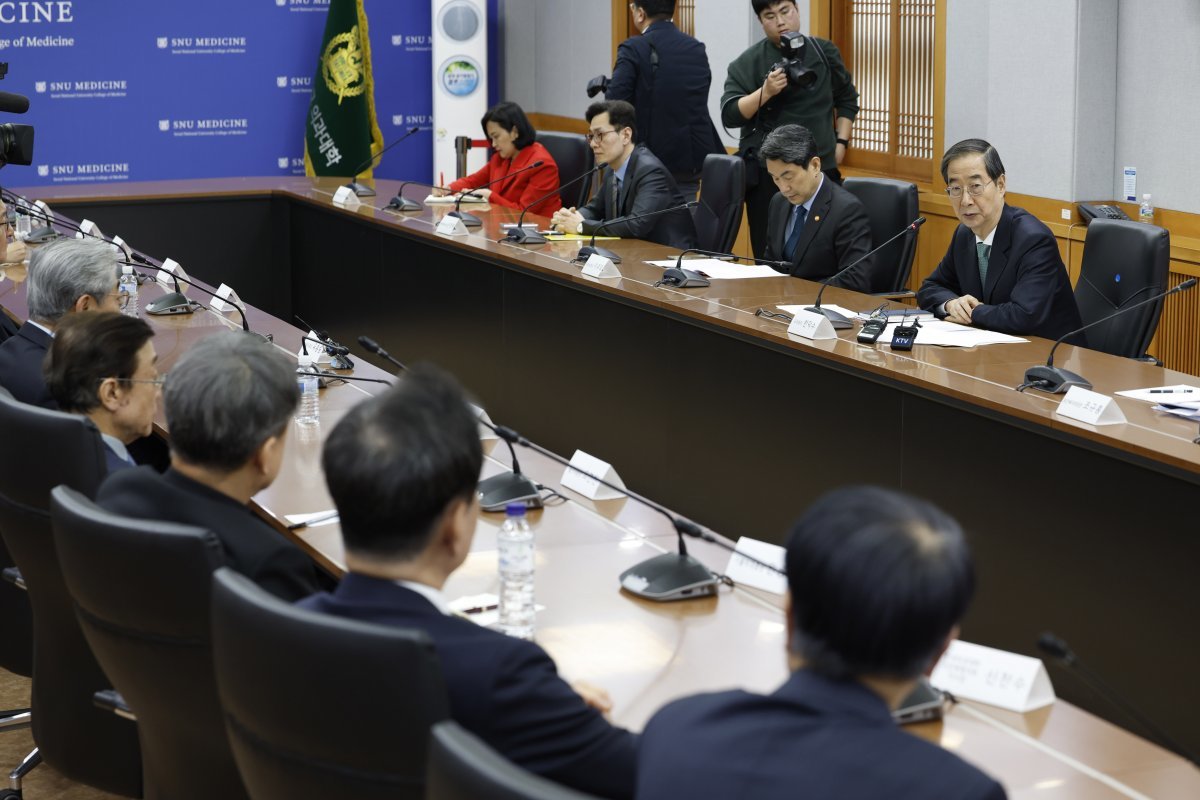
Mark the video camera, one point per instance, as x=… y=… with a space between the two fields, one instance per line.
x=597 y=85
x=794 y=45
x=16 y=141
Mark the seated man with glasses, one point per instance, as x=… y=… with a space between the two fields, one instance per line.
x=1002 y=270
x=102 y=366
x=635 y=183
x=67 y=276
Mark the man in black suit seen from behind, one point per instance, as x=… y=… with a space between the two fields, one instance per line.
x=402 y=468
x=229 y=402
x=813 y=222
x=877 y=583
x=635 y=183
x=1002 y=271
x=664 y=73
x=64 y=277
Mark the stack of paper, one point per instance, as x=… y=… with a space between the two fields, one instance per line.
x=717 y=270
x=450 y=199
x=1178 y=393
x=949 y=334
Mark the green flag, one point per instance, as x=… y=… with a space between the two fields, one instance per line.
x=341 y=131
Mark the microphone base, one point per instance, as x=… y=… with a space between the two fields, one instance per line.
x=1053 y=380
x=524 y=236
x=171 y=304
x=668 y=577
x=341 y=362
x=684 y=279
x=588 y=251
x=835 y=319
x=360 y=190
x=42 y=235
x=399 y=203
x=498 y=491
x=470 y=220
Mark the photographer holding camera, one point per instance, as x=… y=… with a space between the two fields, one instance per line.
x=787 y=78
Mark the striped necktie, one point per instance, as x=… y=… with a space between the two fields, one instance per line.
x=984 y=251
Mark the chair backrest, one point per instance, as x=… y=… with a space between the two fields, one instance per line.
x=43 y=449
x=571 y=153
x=142 y=594
x=719 y=214
x=1124 y=263
x=890 y=206
x=317 y=706
x=16 y=618
x=464 y=767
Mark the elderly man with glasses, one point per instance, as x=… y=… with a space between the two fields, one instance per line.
x=1002 y=270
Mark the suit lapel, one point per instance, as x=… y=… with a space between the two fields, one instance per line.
x=815 y=219
x=998 y=260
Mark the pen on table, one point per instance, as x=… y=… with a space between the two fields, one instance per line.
x=1170 y=391
x=322 y=518
x=480 y=609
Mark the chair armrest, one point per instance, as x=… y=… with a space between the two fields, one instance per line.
x=111 y=700
x=13 y=575
x=1149 y=360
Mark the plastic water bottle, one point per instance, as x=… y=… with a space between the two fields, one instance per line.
x=127 y=285
x=24 y=223
x=1146 y=210
x=309 y=412
x=515 y=543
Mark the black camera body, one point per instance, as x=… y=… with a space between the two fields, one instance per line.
x=16 y=141
x=597 y=85
x=794 y=46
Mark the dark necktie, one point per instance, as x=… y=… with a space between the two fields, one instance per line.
x=798 y=215
x=615 y=197
x=984 y=251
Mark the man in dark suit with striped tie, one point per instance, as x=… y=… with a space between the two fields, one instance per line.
x=814 y=224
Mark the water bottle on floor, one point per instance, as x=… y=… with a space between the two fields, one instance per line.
x=515 y=543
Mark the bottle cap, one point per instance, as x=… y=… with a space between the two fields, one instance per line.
x=514 y=510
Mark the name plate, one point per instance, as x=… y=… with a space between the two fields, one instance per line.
x=811 y=325
x=119 y=243
x=317 y=351
x=88 y=228
x=45 y=209
x=587 y=485
x=597 y=266
x=996 y=677
x=749 y=573
x=1090 y=407
x=167 y=271
x=225 y=300
x=345 y=197
x=485 y=433
x=451 y=226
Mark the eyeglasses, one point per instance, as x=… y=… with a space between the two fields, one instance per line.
x=159 y=381
x=974 y=189
x=769 y=314
x=122 y=298
x=598 y=135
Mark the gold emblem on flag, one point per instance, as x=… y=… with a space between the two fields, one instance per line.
x=342 y=65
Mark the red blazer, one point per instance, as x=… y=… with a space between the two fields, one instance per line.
x=523 y=189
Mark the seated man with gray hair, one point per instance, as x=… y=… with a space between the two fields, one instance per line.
x=66 y=276
x=229 y=403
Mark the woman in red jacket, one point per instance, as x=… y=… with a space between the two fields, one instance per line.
x=513 y=140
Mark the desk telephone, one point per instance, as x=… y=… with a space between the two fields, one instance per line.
x=1090 y=212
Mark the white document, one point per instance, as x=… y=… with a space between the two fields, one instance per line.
x=950 y=334
x=718 y=270
x=313 y=520
x=747 y=573
x=1164 y=394
x=845 y=312
x=996 y=677
x=1187 y=410
x=451 y=199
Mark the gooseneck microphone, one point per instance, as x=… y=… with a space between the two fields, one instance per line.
x=682 y=278
x=175 y=303
x=367 y=191
x=1056 y=648
x=520 y=235
x=401 y=203
x=1055 y=380
x=587 y=252
x=472 y=221
x=497 y=491
x=836 y=319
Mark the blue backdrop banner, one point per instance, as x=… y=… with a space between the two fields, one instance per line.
x=142 y=90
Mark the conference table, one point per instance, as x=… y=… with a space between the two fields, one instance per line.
x=721 y=415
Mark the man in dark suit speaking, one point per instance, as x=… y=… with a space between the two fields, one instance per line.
x=813 y=223
x=877 y=582
x=1002 y=270
x=402 y=468
x=635 y=183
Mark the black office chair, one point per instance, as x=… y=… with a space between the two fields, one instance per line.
x=317 y=706
x=1123 y=263
x=44 y=449
x=463 y=767
x=719 y=214
x=890 y=205
x=142 y=594
x=16 y=624
x=571 y=153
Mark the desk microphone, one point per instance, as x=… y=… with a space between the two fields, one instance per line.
x=1055 y=647
x=520 y=235
x=341 y=354
x=682 y=278
x=472 y=221
x=836 y=319
x=401 y=203
x=367 y=191
x=497 y=491
x=1055 y=380
x=173 y=303
x=587 y=252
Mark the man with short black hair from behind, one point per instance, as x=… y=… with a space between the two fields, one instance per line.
x=229 y=402
x=878 y=582
x=402 y=468
x=103 y=366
